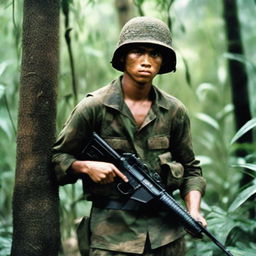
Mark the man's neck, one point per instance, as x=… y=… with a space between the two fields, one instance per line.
x=135 y=91
x=137 y=98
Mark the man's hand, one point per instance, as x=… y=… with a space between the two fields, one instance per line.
x=198 y=217
x=99 y=172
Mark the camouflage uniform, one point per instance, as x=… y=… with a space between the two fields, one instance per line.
x=163 y=141
x=176 y=248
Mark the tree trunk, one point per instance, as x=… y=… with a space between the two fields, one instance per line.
x=35 y=199
x=238 y=77
x=125 y=11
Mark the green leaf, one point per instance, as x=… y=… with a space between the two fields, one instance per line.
x=208 y=120
x=3 y=66
x=244 y=252
x=204 y=160
x=204 y=88
x=219 y=220
x=248 y=126
x=227 y=110
x=2 y=90
x=242 y=197
x=187 y=73
x=248 y=166
x=240 y=58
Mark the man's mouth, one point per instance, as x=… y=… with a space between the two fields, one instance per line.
x=144 y=72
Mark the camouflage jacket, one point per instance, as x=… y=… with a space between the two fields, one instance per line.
x=163 y=141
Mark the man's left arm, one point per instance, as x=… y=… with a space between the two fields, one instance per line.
x=192 y=201
x=193 y=186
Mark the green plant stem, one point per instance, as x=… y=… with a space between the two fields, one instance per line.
x=13 y=15
x=72 y=65
x=10 y=116
x=65 y=9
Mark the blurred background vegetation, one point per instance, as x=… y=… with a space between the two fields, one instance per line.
x=202 y=82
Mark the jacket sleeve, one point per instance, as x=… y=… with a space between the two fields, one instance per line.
x=184 y=154
x=70 y=143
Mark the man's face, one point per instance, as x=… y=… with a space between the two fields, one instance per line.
x=142 y=63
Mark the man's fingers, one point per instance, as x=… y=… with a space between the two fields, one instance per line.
x=199 y=218
x=203 y=222
x=120 y=175
x=105 y=173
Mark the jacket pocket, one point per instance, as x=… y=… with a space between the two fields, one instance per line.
x=158 y=142
x=120 y=144
x=172 y=172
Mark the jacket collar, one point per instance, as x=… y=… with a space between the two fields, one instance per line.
x=114 y=96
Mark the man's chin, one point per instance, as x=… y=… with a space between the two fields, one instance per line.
x=144 y=79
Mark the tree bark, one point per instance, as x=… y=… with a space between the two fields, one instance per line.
x=35 y=199
x=125 y=11
x=238 y=77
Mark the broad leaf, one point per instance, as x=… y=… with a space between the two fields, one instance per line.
x=208 y=120
x=240 y=58
x=187 y=73
x=2 y=90
x=203 y=88
x=204 y=160
x=242 y=252
x=242 y=197
x=3 y=66
x=248 y=126
x=248 y=166
x=227 y=110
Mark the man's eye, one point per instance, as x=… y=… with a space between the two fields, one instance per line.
x=138 y=51
x=156 y=54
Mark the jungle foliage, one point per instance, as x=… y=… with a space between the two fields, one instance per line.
x=202 y=82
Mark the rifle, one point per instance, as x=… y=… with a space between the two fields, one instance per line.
x=143 y=184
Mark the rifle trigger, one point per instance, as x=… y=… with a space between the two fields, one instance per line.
x=124 y=188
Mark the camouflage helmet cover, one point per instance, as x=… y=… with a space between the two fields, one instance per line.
x=146 y=30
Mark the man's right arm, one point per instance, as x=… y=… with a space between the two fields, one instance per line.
x=99 y=172
x=72 y=139
x=69 y=144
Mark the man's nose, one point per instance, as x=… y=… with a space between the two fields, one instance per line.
x=146 y=60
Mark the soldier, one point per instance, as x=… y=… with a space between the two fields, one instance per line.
x=134 y=116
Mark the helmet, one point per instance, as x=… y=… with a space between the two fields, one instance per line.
x=150 y=31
